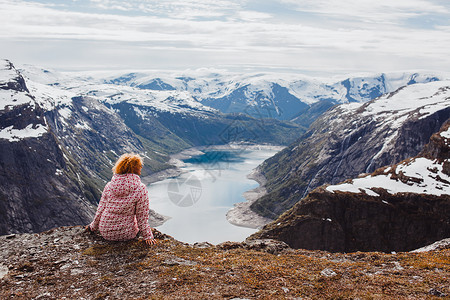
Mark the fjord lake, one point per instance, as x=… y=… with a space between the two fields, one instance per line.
x=198 y=200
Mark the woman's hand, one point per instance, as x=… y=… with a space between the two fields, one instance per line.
x=151 y=242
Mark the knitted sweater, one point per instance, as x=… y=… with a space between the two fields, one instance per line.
x=123 y=209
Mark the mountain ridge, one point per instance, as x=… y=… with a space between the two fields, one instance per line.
x=58 y=144
x=396 y=208
x=351 y=139
x=93 y=121
x=279 y=96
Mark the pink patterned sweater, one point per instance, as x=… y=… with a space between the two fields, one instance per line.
x=123 y=209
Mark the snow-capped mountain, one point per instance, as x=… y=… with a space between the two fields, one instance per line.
x=280 y=96
x=171 y=119
x=396 y=208
x=97 y=88
x=61 y=132
x=14 y=93
x=354 y=138
x=59 y=137
x=37 y=189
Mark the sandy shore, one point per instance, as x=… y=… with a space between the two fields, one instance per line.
x=241 y=214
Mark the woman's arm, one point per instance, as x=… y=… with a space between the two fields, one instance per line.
x=142 y=210
x=101 y=207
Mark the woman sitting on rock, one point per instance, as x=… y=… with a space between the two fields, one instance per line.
x=124 y=206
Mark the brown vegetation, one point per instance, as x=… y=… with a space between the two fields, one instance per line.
x=67 y=263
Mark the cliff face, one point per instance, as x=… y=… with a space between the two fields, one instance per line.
x=351 y=139
x=57 y=151
x=397 y=208
x=36 y=194
x=37 y=189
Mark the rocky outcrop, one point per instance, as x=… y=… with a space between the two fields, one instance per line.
x=351 y=139
x=346 y=222
x=69 y=263
x=396 y=208
x=11 y=78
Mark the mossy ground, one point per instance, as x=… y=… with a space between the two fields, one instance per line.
x=85 y=266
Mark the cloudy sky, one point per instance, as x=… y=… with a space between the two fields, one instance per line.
x=307 y=36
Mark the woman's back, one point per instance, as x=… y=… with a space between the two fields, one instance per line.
x=123 y=192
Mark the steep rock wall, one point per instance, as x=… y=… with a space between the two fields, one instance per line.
x=353 y=139
x=397 y=208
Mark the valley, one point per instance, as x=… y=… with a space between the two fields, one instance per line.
x=61 y=132
x=226 y=149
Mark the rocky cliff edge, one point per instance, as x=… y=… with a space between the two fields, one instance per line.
x=68 y=263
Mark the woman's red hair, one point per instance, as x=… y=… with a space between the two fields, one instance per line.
x=128 y=163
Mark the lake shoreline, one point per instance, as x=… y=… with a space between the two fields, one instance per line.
x=240 y=215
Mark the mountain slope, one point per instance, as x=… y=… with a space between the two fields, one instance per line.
x=57 y=150
x=396 y=208
x=60 y=136
x=352 y=139
x=37 y=189
x=170 y=118
x=173 y=131
x=279 y=96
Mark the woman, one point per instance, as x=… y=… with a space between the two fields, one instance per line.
x=124 y=205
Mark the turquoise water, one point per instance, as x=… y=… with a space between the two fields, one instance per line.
x=198 y=200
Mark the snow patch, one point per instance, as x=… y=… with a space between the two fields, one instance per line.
x=407 y=100
x=425 y=177
x=442 y=244
x=65 y=112
x=83 y=126
x=15 y=135
x=370 y=192
x=49 y=97
x=446 y=134
x=14 y=98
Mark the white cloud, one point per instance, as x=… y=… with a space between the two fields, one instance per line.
x=253 y=16
x=362 y=35
x=187 y=9
x=370 y=11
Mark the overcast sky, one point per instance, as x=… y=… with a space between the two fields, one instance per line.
x=317 y=37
